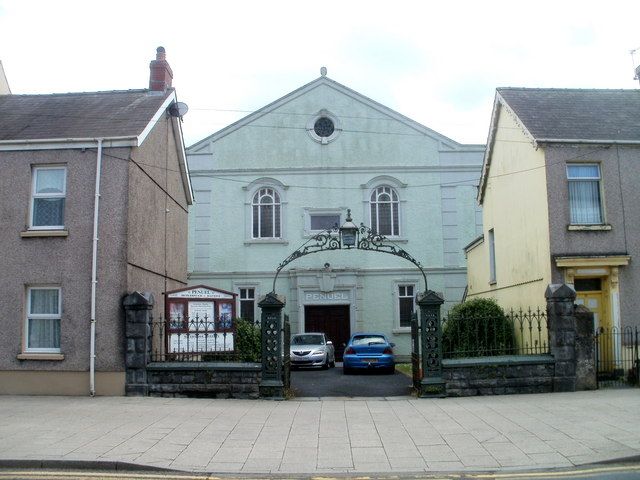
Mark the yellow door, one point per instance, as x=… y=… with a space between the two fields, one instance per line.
x=593 y=300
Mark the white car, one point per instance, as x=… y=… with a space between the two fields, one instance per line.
x=312 y=350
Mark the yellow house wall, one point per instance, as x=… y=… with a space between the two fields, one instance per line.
x=478 y=267
x=515 y=207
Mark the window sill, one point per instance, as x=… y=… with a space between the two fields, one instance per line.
x=44 y=233
x=275 y=241
x=41 y=356
x=401 y=331
x=589 y=228
x=397 y=239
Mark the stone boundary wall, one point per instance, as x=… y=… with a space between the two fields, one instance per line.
x=569 y=367
x=204 y=379
x=500 y=375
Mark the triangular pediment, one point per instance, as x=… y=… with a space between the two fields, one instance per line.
x=349 y=96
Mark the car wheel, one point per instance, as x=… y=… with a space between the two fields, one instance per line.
x=391 y=370
x=346 y=371
x=325 y=364
x=333 y=363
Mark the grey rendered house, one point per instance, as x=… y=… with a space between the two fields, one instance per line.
x=94 y=195
x=268 y=183
x=560 y=201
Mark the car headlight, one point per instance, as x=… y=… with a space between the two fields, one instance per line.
x=317 y=352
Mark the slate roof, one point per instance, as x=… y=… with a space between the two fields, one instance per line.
x=78 y=115
x=576 y=114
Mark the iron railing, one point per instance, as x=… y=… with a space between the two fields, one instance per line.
x=519 y=332
x=617 y=356
x=193 y=339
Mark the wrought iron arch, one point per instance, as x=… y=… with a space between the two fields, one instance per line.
x=365 y=239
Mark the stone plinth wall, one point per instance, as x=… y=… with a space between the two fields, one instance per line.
x=499 y=375
x=204 y=379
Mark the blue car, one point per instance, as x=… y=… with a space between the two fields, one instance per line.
x=368 y=351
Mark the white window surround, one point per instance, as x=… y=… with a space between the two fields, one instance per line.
x=396 y=302
x=337 y=127
x=250 y=192
x=311 y=211
x=370 y=187
x=53 y=316
x=36 y=171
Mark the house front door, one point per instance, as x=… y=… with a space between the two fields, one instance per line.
x=589 y=293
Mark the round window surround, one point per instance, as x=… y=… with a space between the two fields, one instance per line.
x=324 y=127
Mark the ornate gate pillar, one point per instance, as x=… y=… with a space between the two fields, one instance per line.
x=271 y=385
x=432 y=383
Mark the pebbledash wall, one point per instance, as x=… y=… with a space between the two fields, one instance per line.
x=372 y=146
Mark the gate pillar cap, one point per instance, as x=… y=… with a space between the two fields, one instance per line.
x=430 y=297
x=138 y=299
x=559 y=291
x=271 y=299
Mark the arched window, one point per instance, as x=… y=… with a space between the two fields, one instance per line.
x=384 y=211
x=266 y=214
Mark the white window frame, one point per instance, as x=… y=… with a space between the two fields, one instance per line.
x=256 y=293
x=396 y=296
x=34 y=195
x=492 y=256
x=374 y=225
x=310 y=211
x=43 y=316
x=277 y=204
x=598 y=180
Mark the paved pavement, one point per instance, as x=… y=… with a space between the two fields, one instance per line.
x=325 y=436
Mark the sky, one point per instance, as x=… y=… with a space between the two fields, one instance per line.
x=438 y=63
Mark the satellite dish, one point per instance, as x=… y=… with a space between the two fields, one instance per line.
x=178 y=109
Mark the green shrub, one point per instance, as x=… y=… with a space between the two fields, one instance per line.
x=477 y=328
x=247 y=341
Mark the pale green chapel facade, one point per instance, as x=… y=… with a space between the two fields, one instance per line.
x=268 y=183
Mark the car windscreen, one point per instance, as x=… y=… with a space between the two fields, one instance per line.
x=368 y=339
x=307 y=340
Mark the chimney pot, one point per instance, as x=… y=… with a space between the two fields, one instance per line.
x=160 y=75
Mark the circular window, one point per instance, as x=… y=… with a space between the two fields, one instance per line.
x=324 y=127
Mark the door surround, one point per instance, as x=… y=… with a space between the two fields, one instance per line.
x=605 y=267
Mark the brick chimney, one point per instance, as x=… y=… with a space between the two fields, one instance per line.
x=160 y=72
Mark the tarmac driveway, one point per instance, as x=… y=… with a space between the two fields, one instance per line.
x=332 y=383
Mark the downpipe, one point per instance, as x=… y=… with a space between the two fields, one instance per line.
x=94 y=274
